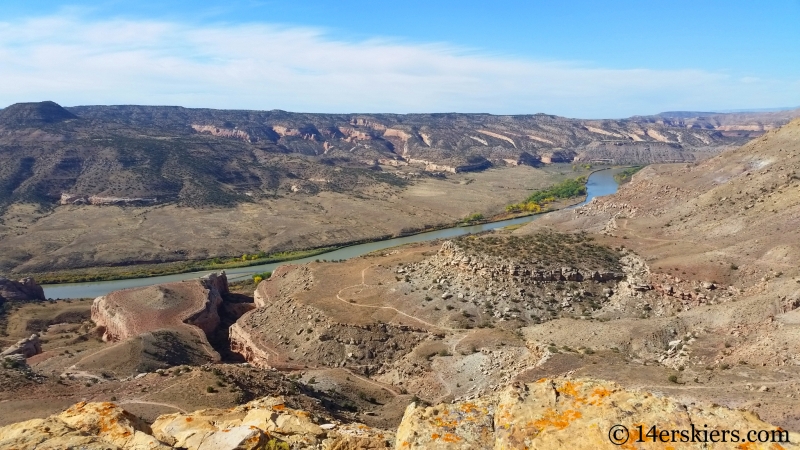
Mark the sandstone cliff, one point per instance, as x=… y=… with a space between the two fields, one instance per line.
x=130 y=312
x=185 y=313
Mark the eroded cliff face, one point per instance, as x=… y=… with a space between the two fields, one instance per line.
x=222 y=132
x=130 y=312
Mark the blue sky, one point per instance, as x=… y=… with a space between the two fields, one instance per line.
x=574 y=58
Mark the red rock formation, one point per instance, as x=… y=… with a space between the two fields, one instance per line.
x=130 y=312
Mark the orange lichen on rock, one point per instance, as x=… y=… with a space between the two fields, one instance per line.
x=563 y=413
x=598 y=394
x=557 y=420
x=450 y=437
x=469 y=407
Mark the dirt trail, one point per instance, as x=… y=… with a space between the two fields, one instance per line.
x=363 y=283
x=372 y=382
x=143 y=402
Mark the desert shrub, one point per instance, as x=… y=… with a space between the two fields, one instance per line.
x=473 y=218
x=258 y=277
x=626 y=175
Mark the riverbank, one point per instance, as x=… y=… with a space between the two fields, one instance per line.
x=599 y=183
x=136 y=271
x=126 y=272
x=146 y=270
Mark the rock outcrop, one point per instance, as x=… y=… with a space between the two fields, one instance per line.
x=23 y=290
x=172 y=320
x=548 y=414
x=222 y=132
x=130 y=312
x=261 y=424
x=91 y=426
x=26 y=347
x=75 y=199
x=580 y=414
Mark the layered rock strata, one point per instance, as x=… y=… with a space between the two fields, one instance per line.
x=130 y=312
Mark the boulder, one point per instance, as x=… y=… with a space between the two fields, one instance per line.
x=563 y=413
x=24 y=290
x=26 y=347
x=85 y=426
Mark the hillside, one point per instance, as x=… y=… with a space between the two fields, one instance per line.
x=679 y=291
x=216 y=157
x=738 y=209
x=92 y=186
x=718 y=242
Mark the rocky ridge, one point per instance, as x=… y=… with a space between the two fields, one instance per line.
x=509 y=287
x=550 y=413
x=106 y=154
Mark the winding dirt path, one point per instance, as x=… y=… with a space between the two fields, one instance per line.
x=363 y=284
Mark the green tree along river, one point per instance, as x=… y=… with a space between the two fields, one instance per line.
x=600 y=183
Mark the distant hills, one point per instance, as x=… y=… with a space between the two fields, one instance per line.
x=739 y=121
x=219 y=157
x=34 y=114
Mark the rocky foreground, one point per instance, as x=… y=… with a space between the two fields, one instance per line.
x=550 y=413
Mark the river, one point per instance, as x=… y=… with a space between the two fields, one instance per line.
x=599 y=183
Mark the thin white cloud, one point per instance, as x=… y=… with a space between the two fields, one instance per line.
x=73 y=61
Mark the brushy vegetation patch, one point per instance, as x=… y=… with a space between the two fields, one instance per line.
x=626 y=175
x=472 y=218
x=259 y=277
x=545 y=250
x=538 y=201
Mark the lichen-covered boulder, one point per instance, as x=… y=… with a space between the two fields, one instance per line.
x=90 y=426
x=574 y=414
